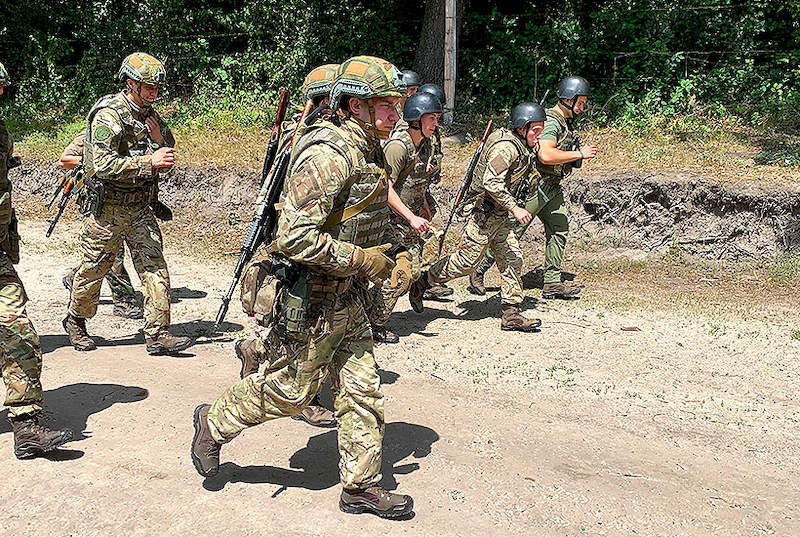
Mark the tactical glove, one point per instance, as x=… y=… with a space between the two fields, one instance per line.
x=401 y=275
x=372 y=263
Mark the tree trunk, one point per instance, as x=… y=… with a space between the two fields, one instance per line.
x=429 y=60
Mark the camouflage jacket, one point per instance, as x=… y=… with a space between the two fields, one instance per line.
x=407 y=166
x=6 y=150
x=118 y=148
x=504 y=164
x=335 y=164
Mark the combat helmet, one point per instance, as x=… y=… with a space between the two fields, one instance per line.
x=144 y=68
x=419 y=104
x=318 y=82
x=434 y=90
x=366 y=77
x=572 y=87
x=411 y=78
x=525 y=113
x=5 y=80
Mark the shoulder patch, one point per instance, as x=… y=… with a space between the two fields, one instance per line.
x=101 y=132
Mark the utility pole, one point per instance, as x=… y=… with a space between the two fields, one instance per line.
x=449 y=59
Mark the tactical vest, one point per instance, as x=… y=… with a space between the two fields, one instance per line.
x=365 y=229
x=134 y=142
x=564 y=143
x=515 y=174
x=413 y=181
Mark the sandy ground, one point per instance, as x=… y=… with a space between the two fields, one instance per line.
x=687 y=425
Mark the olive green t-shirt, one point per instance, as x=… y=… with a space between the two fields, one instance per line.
x=551 y=130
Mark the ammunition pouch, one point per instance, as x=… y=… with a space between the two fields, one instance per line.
x=262 y=285
x=144 y=195
x=92 y=197
x=10 y=244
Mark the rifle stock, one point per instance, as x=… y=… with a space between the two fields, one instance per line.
x=272 y=145
x=69 y=182
x=465 y=184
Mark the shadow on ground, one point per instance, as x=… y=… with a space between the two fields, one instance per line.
x=315 y=467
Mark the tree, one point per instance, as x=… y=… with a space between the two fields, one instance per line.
x=429 y=60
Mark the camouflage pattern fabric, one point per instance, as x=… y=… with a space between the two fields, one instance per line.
x=6 y=152
x=118 y=280
x=383 y=299
x=101 y=239
x=333 y=166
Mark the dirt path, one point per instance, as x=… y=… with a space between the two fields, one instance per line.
x=686 y=426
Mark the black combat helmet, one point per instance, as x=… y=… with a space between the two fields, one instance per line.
x=573 y=86
x=421 y=103
x=525 y=113
x=434 y=90
x=410 y=78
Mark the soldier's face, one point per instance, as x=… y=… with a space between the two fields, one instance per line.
x=386 y=114
x=145 y=94
x=428 y=124
x=534 y=132
x=580 y=104
x=411 y=90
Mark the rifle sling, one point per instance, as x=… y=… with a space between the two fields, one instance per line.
x=353 y=210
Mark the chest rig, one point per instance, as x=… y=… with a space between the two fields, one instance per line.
x=566 y=139
x=516 y=175
x=414 y=180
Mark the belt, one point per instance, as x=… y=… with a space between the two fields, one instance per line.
x=144 y=196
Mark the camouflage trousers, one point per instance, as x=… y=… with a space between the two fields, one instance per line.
x=547 y=203
x=101 y=238
x=485 y=231
x=118 y=280
x=19 y=345
x=382 y=299
x=339 y=345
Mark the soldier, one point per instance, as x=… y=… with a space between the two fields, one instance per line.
x=330 y=227
x=127 y=145
x=126 y=302
x=556 y=158
x=411 y=80
x=19 y=344
x=252 y=352
x=505 y=164
x=407 y=154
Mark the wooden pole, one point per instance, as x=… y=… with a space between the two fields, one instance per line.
x=449 y=59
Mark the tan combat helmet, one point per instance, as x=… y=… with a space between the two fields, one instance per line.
x=144 y=68
x=5 y=80
x=366 y=77
x=318 y=82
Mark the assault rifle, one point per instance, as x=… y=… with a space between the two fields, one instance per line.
x=70 y=182
x=263 y=224
x=272 y=146
x=465 y=184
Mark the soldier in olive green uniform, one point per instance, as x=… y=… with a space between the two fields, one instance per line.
x=126 y=146
x=334 y=216
x=555 y=160
x=126 y=302
x=407 y=154
x=255 y=351
x=503 y=168
x=20 y=353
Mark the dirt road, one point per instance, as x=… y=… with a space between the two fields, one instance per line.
x=686 y=423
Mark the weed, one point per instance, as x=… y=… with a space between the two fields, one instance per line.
x=796 y=334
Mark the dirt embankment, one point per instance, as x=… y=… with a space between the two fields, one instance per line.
x=635 y=209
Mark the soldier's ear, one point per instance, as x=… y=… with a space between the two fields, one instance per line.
x=354 y=104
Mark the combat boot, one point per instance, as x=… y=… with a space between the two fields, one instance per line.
x=514 y=320
x=205 y=450
x=247 y=353
x=32 y=439
x=438 y=292
x=316 y=415
x=75 y=327
x=476 y=285
x=128 y=309
x=166 y=343
x=376 y=500
x=416 y=293
x=381 y=334
x=560 y=290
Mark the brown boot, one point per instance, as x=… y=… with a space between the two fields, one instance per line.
x=417 y=292
x=128 y=309
x=32 y=439
x=476 y=285
x=166 y=343
x=78 y=336
x=438 y=292
x=514 y=320
x=376 y=500
x=381 y=334
x=560 y=290
x=316 y=415
x=205 y=450
x=247 y=352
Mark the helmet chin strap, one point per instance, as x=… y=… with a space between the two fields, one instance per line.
x=370 y=127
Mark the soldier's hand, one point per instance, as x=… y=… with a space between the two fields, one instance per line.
x=372 y=263
x=420 y=225
x=163 y=158
x=154 y=129
x=588 y=151
x=401 y=275
x=522 y=216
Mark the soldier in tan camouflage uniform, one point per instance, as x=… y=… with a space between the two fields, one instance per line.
x=126 y=146
x=504 y=166
x=20 y=354
x=126 y=302
x=330 y=227
x=255 y=351
x=407 y=154
x=556 y=158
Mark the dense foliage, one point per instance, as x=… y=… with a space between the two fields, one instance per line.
x=647 y=59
